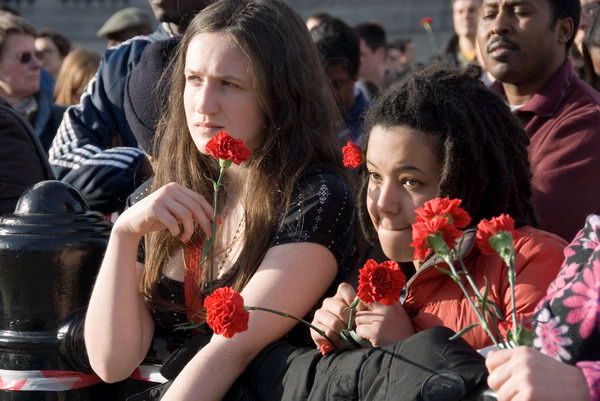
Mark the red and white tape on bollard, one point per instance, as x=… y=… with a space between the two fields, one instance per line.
x=148 y=373
x=61 y=380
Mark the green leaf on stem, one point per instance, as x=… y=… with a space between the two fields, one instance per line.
x=484 y=298
x=354 y=304
x=353 y=341
x=496 y=310
x=445 y=271
x=345 y=336
x=464 y=331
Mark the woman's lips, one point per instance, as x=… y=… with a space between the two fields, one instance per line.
x=396 y=229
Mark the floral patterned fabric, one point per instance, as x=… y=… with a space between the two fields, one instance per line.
x=567 y=321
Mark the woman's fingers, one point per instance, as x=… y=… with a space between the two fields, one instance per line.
x=331 y=332
x=329 y=322
x=368 y=317
x=345 y=293
x=186 y=206
x=166 y=219
x=201 y=211
x=497 y=358
x=369 y=331
x=337 y=308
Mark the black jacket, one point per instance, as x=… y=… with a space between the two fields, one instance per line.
x=426 y=366
x=23 y=162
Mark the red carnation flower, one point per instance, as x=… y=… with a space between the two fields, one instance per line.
x=426 y=21
x=325 y=349
x=423 y=230
x=444 y=207
x=380 y=282
x=488 y=228
x=224 y=147
x=225 y=313
x=353 y=156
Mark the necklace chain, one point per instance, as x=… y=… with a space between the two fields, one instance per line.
x=227 y=250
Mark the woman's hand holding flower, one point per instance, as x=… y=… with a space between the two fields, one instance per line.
x=525 y=374
x=333 y=316
x=384 y=325
x=172 y=207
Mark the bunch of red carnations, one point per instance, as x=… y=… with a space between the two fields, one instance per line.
x=437 y=230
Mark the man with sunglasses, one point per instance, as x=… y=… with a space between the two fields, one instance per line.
x=94 y=149
x=20 y=71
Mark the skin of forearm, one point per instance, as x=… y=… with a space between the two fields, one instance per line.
x=208 y=376
x=114 y=326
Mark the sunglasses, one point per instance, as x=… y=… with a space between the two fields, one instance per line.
x=25 y=57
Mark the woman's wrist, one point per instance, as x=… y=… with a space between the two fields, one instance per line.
x=122 y=233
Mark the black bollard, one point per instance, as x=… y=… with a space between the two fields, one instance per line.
x=50 y=251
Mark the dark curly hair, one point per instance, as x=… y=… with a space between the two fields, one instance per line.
x=480 y=145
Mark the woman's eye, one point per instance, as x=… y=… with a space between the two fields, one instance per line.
x=193 y=78
x=229 y=84
x=412 y=183
x=374 y=177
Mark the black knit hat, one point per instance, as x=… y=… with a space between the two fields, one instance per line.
x=145 y=95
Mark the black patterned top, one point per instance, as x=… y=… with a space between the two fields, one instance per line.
x=321 y=211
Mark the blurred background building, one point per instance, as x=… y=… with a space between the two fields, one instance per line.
x=79 y=20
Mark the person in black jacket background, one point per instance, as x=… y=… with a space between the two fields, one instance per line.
x=22 y=159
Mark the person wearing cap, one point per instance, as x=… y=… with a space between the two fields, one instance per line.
x=83 y=153
x=125 y=24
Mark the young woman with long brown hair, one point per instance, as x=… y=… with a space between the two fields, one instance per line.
x=250 y=68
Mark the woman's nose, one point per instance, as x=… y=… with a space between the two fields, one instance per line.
x=206 y=100
x=388 y=201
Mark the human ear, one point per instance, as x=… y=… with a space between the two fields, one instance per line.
x=565 y=29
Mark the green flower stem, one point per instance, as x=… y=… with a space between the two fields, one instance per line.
x=484 y=324
x=213 y=225
x=470 y=279
x=285 y=314
x=352 y=308
x=503 y=244
x=429 y=31
x=511 y=282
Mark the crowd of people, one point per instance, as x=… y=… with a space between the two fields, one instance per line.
x=506 y=118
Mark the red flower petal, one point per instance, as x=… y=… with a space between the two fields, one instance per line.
x=353 y=156
x=488 y=228
x=325 y=349
x=222 y=146
x=426 y=21
x=380 y=282
x=225 y=313
x=422 y=230
x=444 y=207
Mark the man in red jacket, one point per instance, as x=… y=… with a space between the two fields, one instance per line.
x=524 y=45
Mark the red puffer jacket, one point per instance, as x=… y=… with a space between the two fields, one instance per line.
x=433 y=299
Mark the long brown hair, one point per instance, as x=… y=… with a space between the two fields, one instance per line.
x=300 y=115
x=76 y=71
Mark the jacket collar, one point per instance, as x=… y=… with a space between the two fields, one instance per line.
x=548 y=100
x=465 y=247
